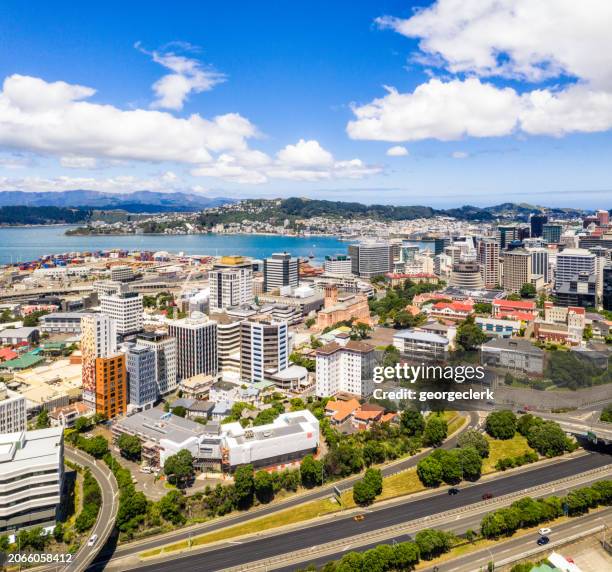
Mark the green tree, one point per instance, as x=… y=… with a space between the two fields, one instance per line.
x=469 y=335
x=412 y=422
x=179 y=467
x=171 y=507
x=310 y=322
x=526 y=422
x=373 y=452
x=130 y=447
x=430 y=472
x=528 y=290
x=96 y=446
x=179 y=410
x=264 y=486
x=374 y=479
x=132 y=508
x=58 y=532
x=548 y=439
x=82 y=424
x=432 y=543
x=406 y=555
x=42 y=421
x=474 y=438
x=244 y=484
x=435 y=432
x=483 y=308
x=311 y=472
x=471 y=463
x=363 y=493
x=501 y=424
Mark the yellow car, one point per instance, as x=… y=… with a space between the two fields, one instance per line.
x=358 y=517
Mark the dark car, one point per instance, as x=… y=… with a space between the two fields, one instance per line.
x=543 y=540
x=487 y=496
x=453 y=491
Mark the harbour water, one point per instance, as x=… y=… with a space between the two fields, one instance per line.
x=20 y=244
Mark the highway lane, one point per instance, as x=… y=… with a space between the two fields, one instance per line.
x=257 y=549
x=318 y=493
x=108 y=512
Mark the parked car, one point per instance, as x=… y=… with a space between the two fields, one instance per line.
x=543 y=540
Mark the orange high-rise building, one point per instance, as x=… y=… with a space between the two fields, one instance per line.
x=111 y=385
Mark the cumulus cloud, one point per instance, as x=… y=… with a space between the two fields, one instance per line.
x=305 y=154
x=76 y=162
x=188 y=76
x=479 y=39
x=397 y=151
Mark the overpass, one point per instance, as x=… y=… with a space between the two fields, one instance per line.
x=584 y=425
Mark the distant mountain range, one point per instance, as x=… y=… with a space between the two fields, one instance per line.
x=137 y=202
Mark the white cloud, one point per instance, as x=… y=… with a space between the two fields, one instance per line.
x=76 y=162
x=459 y=155
x=305 y=154
x=520 y=39
x=516 y=38
x=304 y=161
x=397 y=151
x=119 y=184
x=188 y=76
x=51 y=118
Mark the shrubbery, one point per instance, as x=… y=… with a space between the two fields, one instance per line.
x=92 y=500
x=511 y=462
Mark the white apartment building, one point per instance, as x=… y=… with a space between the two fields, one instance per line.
x=13 y=415
x=340 y=265
x=106 y=287
x=164 y=348
x=231 y=284
x=126 y=309
x=196 y=345
x=265 y=348
x=61 y=323
x=345 y=368
x=31 y=478
x=98 y=339
x=488 y=258
x=122 y=273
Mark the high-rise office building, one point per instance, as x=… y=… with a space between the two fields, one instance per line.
x=231 y=283
x=32 y=477
x=516 y=269
x=280 y=270
x=571 y=262
x=506 y=234
x=126 y=308
x=603 y=218
x=264 y=347
x=371 y=259
x=196 y=345
x=551 y=233
x=488 y=258
x=606 y=299
x=340 y=264
x=98 y=339
x=537 y=222
x=111 y=385
x=13 y=416
x=539 y=263
x=164 y=348
x=142 y=381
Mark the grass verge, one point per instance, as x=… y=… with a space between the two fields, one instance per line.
x=498 y=449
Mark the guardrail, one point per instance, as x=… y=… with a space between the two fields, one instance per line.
x=397 y=529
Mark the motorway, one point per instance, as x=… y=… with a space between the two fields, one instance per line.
x=108 y=511
x=257 y=549
x=318 y=493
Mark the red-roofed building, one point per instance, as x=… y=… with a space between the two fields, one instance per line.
x=397 y=279
x=7 y=354
x=455 y=311
x=513 y=306
x=340 y=411
x=420 y=299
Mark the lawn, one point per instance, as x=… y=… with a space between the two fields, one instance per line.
x=402 y=483
x=499 y=449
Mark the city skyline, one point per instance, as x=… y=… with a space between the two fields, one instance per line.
x=389 y=102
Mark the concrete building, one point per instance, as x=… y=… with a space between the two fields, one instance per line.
x=231 y=283
x=517 y=271
x=98 y=339
x=506 y=234
x=371 y=259
x=19 y=335
x=164 y=347
x=111 y=386
x=417 y=345
x=581 y=290
x=488 y=259
x=343 y=306
x=107 y=287
x=339 y=265
x=540 y=263
x=31 y=478
x=265 y=348
x=346 y=367
x=466 y=275
x=61 y=323
x=196 y=345
x=515 y=354
x=13 y=415
x=122 y=273
x=228 y=343
x=571 y=262
x=126 y=309
x=551 y=233
x=280 y=270
x=140 y=365
x=497 y=327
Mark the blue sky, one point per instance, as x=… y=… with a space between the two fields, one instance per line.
x=270 y=99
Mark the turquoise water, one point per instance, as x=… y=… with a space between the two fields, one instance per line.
x=29 y=243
